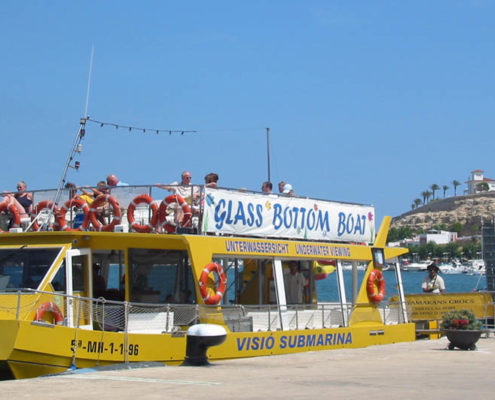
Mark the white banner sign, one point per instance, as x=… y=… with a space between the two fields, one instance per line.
x=242 y=213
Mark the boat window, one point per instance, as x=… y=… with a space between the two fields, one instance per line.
x=25 y=267
x=160 y=276
x=78 y=278
x=109 y=274
x=59 y=282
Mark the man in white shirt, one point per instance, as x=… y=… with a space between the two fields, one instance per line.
x=433 y=283
x=294 y=284
x=183 y=189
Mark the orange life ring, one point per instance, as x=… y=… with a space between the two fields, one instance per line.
x=78 y=203
x=41 y=206
x=104 y=198
x=162 y=212
x=50 y=306
x=14 y=211
x=142 y=198
x=222 y=283
x=376 y=278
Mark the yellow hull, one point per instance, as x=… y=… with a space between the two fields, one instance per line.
x=31 y=350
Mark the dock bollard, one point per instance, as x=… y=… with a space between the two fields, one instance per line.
x=200 y=337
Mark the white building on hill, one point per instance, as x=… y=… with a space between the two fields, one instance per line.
x=438 y=237
x=477 y=178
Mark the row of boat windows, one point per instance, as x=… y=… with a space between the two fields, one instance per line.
x=156 y=276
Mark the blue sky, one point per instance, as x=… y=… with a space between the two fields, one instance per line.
x=367 y=101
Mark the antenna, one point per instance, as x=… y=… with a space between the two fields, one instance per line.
x=76 y=145
x=268 y=151
x=89 y=80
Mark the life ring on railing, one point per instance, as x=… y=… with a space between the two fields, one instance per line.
x=78 y=203
x=105 y=198
x=45 y=204
x=14 y=211
x=162 y=212
x=142 y=198
x=376 y=278
x=50 y=306
x=203 y=281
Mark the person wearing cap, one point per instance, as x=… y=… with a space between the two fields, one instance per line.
x=433 y=283
x=285 y=188
x=288 y=190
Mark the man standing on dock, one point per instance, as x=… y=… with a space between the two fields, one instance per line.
x=433 y=283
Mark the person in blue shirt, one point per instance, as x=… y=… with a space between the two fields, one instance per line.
x=112 y=180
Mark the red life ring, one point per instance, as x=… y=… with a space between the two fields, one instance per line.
x=43 y=205
x=162 y=212
x=142 y=198
x=104 y=198
x=376 y=278
x=49 y=306
x=14 y=211
x=78 y=203
x=222 y=283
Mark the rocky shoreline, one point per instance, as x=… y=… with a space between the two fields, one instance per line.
x=469 y=210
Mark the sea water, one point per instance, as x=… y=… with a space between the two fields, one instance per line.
x=411 y=281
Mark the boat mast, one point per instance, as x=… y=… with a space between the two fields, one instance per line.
x=76 y=145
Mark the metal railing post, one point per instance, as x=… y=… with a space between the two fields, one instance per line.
x=18 y=309
x=126 y=333
x=269 y=319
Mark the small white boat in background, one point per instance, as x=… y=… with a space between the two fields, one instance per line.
x=475 y=267
x=416 y=266
x=452 y=267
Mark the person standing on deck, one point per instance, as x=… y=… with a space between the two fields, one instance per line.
x=22 y=200
x=211 y=180
x=294 y=284
x=184 y=189
x=112 y=180
x=267 y=187
x=433 y=283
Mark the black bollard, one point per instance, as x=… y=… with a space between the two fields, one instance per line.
x=200 y=337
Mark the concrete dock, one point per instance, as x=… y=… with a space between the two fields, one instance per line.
x=424 y=369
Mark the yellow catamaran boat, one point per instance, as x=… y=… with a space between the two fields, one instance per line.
x=88 y=293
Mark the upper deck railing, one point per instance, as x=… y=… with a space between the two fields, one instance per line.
x=202 y=210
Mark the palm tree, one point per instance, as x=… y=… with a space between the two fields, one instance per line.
x=425 y=196
x=445 y=188
x=455 y=184
x=433 y=188
x=428 y=195
x=417 y=202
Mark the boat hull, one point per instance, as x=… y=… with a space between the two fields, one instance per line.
x=31 y=349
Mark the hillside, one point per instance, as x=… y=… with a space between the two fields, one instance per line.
x=469 y=210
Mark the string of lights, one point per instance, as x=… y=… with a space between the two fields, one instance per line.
x=136 y=128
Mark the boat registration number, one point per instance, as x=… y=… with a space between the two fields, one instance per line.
x=94 y=346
